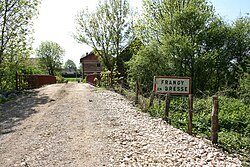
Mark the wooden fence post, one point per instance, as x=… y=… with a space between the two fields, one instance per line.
x=190 y=113
x=137 y=92
x=17 y=78
x=214 y=119
x=151 y=101
x=167 y=105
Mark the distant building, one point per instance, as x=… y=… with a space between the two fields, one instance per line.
x=90 y=66
x=68 y=71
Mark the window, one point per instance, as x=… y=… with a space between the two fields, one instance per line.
x=98 y=65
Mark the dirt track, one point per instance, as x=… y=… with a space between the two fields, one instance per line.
x=75 y=125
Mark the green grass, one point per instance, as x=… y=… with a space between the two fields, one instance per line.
x=72 y=79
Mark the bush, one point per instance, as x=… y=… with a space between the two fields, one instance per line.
x=234 y=115
x=59 y=79
x=244 y=91
x=234 y=141
x=2 y=98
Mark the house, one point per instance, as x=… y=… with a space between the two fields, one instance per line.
x=91 y=66
x=68 y=72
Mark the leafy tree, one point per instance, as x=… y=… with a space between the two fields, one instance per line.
x=193 y=41
x=107 y=30
x=69 y=64
x=16 y=19
x=148 y=62
x=50 y=55
x=31 y=66
x=240 y=44
x=230 y=45
x=238 y=48
x=244 y=89
x=177 y=27
x=122 y=61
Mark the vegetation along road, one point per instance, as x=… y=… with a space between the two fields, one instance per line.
x=78 y=125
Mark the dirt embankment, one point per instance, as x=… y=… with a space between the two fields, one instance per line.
x=75 y=125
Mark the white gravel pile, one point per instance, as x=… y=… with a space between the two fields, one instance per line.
x=140 y=140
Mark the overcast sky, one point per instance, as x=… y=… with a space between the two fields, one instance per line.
x=56 y=21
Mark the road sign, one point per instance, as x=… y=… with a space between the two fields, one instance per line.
x=172 y=85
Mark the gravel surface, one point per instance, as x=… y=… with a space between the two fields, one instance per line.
x=77 y=125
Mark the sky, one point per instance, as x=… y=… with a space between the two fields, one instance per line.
x=55 y=21
x=230 y=10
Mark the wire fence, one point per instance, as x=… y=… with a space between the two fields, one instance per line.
x=233 y=116
x=202 y=109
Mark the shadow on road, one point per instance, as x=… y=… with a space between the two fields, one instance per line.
x=18 y=109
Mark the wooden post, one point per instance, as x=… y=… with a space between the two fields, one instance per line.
x=214 y=119
x=190 y=113
x=17 y=78
x=136 y=92
x=167 y=105
x=151 y=101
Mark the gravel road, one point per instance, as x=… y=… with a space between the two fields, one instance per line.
x=76 y=125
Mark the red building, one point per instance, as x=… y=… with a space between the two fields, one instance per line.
x=90 y=66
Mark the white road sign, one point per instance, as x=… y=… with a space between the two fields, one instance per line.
x=172 y=85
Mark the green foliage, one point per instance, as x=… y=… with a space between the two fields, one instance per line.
x=239 y=45
x=157 y=110
x=234 y=116
x=2 y=99
x=235 y=142
x=105 y=78
x=7 y=77
x=122 y=61
x=72 y=79
x=50 y=55
x=16 y=20
x=60 y=79
x=148 y=62
x=244 y=88
x=186 y=38
x=176 y=29
x=84 y=80
x=31 y=66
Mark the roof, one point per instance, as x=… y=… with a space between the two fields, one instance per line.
x=88 y=55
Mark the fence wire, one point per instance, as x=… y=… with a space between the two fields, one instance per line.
x=231 y=135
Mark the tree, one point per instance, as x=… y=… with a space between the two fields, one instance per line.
x=236 y=58
x=186 y=38
x=177 y=28
x=50 y=54
x=239 y=45
x=16 y=20
x=107 y=30
x=122 y=61
x=148 y=62
x=69 y=64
